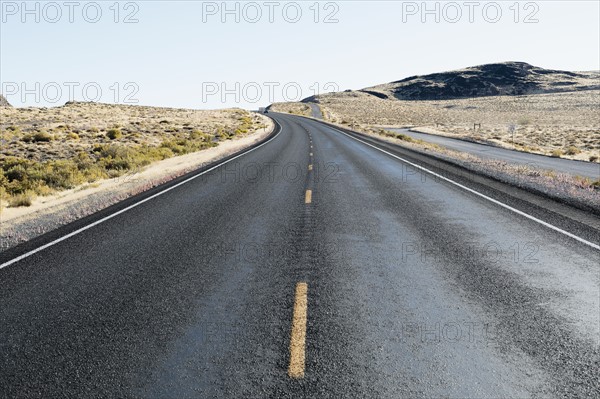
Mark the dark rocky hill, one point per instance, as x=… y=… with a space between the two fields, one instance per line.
x=507 y=78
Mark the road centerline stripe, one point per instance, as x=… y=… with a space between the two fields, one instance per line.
x=298 y=335
x=308 y=197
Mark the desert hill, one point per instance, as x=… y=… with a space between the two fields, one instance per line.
x=3 y=102
x=506 y=78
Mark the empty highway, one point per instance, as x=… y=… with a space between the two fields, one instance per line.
x=314 y=265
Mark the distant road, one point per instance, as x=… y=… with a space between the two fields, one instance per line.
x=399 y=284
x=316 y=111
x=586 y=169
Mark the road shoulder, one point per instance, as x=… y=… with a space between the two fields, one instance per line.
x=575 y=217
x=18 y=225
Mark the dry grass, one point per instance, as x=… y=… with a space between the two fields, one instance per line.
x=23 y=199
x=50 y=212
x=565 y=123
x=44 y=150
x=76 y=127
x=292 y=108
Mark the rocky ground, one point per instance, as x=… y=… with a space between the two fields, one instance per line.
x=506 y=78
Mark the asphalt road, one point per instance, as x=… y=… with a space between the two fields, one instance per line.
x=415 y=288
x=579 y=168
x=316 y=111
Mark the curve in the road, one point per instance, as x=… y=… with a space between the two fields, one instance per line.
x=418 y=288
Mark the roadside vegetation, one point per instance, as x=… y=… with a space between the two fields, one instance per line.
x=301 y=109
x=49 y=150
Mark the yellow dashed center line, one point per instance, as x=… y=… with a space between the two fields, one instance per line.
x=309 y=167
x=308 y=197
x=298 y=338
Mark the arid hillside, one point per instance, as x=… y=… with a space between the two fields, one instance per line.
x=4 y=102
x=44 y=150
x=501 y=79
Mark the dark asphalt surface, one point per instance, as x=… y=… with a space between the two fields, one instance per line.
x=578 y=168
x=416 y=288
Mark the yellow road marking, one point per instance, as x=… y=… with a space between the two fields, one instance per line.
x=308 y=197
x=309 y=167
x=298 y=338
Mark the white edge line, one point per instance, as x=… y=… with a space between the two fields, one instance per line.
x=550 y=226
x=104 y=219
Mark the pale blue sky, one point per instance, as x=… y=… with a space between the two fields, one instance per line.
x=179 y=51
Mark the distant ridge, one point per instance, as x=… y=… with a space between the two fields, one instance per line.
x=499 y=79
x=4 y=102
